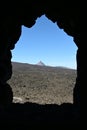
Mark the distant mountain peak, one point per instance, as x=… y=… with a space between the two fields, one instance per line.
x=40 y=63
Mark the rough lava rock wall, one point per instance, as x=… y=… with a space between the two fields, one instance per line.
x=13 y=15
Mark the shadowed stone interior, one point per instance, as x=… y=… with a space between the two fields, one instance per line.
x=67 y=17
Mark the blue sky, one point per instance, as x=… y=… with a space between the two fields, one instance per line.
x=47 y=43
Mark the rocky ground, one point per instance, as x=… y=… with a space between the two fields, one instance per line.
x=42 y=84
x=43 y=98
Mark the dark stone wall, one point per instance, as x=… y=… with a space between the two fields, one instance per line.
x=13 y=15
